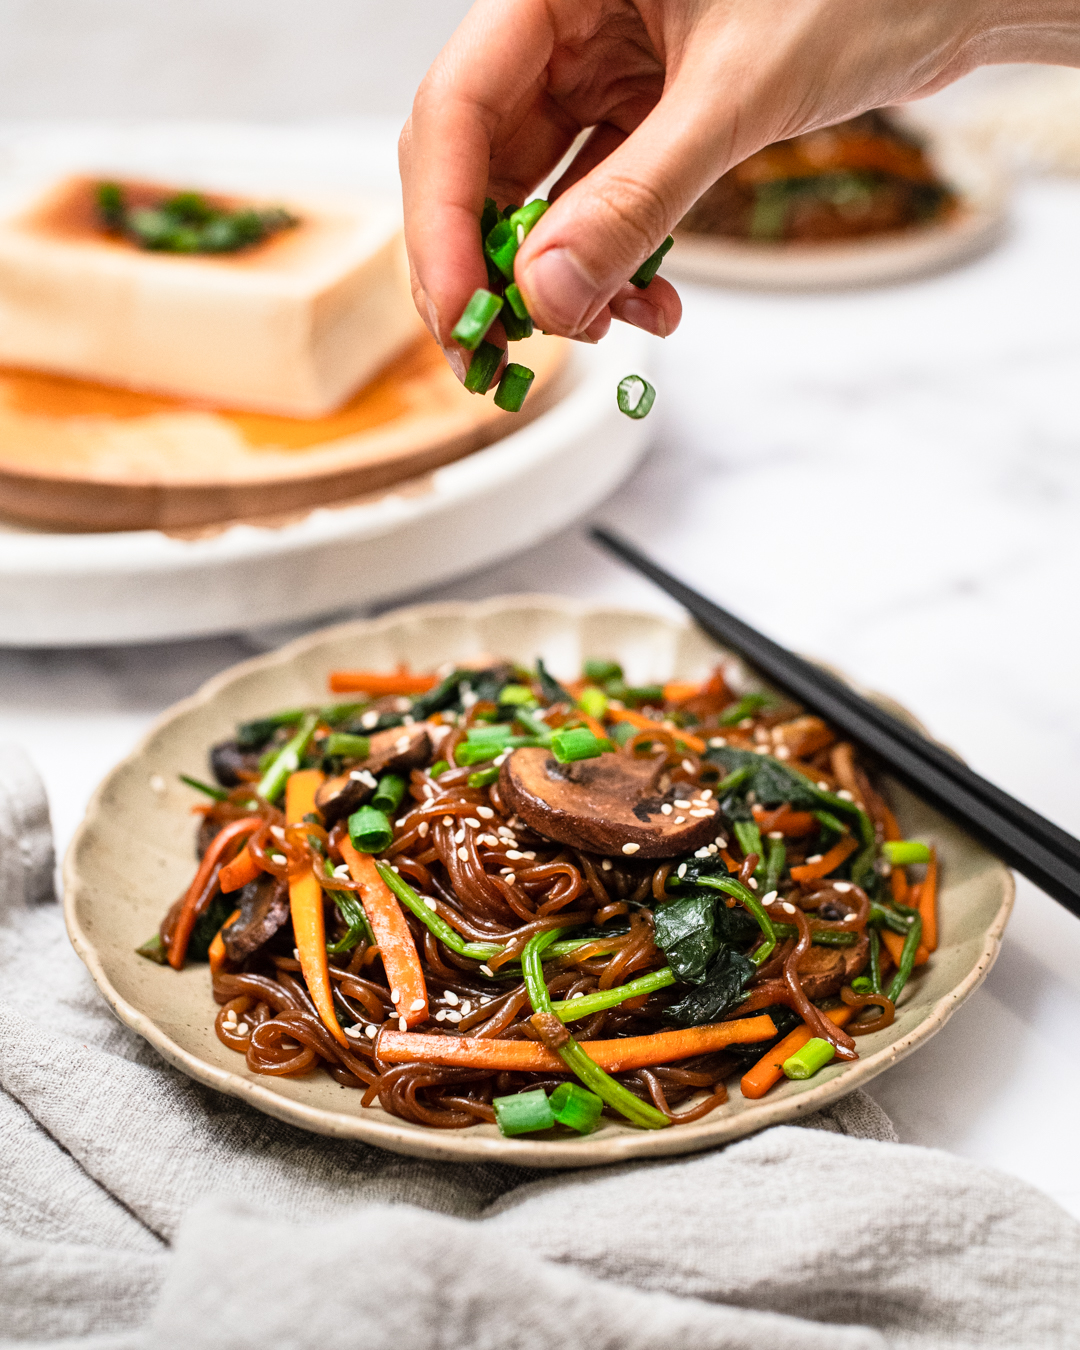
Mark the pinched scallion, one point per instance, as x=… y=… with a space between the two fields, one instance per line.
x=370 y=830
x=525 y=217
x=814 y=1055
x=513 y=387
x=746 y=706
x=476 y=318
x=501 y=247
x=287 y=759
x=154 y=950
x=534 y=725
x=900 y=852
x=346 y=745
x=389 y=793
x=748 y=833
x=572 y=1055
x=483 y=367
x=635 y=396
x=516 y=300
x=572 y=1009
x=599 y=672
x=862 y=984
x=217 y=793
x=733 y=886
x=651 y=265
x=593 y=701
x=524 y=1112
x=882 y=917
x=516 y=330
x=573 y=743
x=576 y=1107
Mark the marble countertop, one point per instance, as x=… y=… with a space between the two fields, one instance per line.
x=888 y=479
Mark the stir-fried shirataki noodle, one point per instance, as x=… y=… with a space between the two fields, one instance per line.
x=486 y=896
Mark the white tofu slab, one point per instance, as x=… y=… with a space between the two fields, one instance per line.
x=292 y=326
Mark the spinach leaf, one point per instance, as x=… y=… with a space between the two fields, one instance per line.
x=725 y=982
x=550 y=687
x=686 y=934
x=783 y=1019
x=735 y=926
x=207 y=924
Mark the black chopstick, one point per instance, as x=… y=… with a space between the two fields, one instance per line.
x=1046 y=854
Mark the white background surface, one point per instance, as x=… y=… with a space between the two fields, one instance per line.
x=888 y=479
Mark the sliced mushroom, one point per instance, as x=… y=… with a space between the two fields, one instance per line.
x=232 y=766
x=264 y=908
x=609 y=805
x=394 y=751
x=803 y=735
x=821 y=971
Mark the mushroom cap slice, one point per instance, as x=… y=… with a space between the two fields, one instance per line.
x=396 y=750
x=609 y=805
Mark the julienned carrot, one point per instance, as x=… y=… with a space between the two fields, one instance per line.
x=306 y=908
x=770 y=1067
x=794 y=824
x=898 y=884
x=238 y=873
x=678 y=691
x=928 y=904
x=644 y=723
x=393 y=937
x=217 y=954
x=597 y=728
x=829 y=863
x=894 y=944
x=378 y=683
x=189 y=912
x=892 y=827
x=615 y=1056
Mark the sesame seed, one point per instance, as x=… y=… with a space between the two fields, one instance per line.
x=529 y=853
x=395 y=994
x=605 y=864
x=402 y=1025
x=157 y=783
x=371 y=1031
x=712 y=848
x=369 y=720
x=715 y=742
x=814 y=858
x=706 y=794
x=702 y=815
x=486 y=970
x=296 y=953
x=466 y=1007
x=842 y=886
x=395 y=868
x=448 y=820
x=431 y=904
x=580 y=994
x=823 y=786
x=423 y=829
x=277 y=831
x=402 y=743
x=451 y=998
x=452 y=1016
x=667 y=808
x=440 y=1016
x=782 y=752
x=682 y=803
x=342 y=870
x=363 y=776
x=243 y=1028
x=701 y=853
x=682 y=870
x=746 y=724
x=688 y=765
x=485 y=812
x=489 y=839
x=788 y=907
x=514 y=854
x=775 y=834
x=680 y=820
x=459 y=835
x=416 y=1005
x=721 y=839
x=463 y=853
x=630 y=848
x=845 y=795
x=353 y=1033
x=472 y=822
x=402 y=705
x=408 y=720
x=753 y=883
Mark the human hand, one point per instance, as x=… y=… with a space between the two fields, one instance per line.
x=676 y=92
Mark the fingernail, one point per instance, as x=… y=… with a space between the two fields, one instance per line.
x=599 y=326
x=560 y=289
x=456 y=362
x=645 y=316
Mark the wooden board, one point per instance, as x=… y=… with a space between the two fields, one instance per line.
x=81 y=456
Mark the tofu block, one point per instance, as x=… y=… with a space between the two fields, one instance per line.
x=293 y=325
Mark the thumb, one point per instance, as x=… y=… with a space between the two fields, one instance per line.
x=600 y=230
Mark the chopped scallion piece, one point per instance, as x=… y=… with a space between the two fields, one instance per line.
x=573 y=743
x=806 y=1062
x=218 y=794
x=476 y=318
x=900 y=852
x=651 y=265
x=440 y=766
x=636 y=396
x=622 y=732
x=513 y=387
x=154 y=950
x=576 y=1107
x=287 y=759
x=389 y=793
x=525 y=217
x=599 y=671
x=501 y=247
x=370 y=830
x=515 y=694
x=346 y=745
x=484 y=777
x=747 y=706
x=593 y=701
x=524 y=1112
x=516 y=330
x=516 y=300
x=482 y=368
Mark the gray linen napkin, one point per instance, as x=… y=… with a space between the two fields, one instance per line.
x=139 y=1210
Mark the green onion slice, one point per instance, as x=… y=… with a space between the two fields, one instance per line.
x=651 y=265
x=476 y=318
x=513 y=387
x=636 y=396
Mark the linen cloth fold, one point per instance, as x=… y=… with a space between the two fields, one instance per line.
x=141 y=1210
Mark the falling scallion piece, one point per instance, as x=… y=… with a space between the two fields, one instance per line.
x=513 y=387
x=636 y=396
x=651 y=265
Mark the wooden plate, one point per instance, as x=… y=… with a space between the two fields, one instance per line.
x=84 y=456
x=134 y=853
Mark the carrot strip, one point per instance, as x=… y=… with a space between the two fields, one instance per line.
x=393 y=937
x=378 y=683
x=306 y=908
x=616 y=1056
x=829 y=863
x=644 y=723
x=189 y=910
x=238 y=873
x=927 y=904
x=892 y=827
x=678 y=691
x=793 y=824
x=217 y=954
x=898 y=884
x=597 y=728
x=894 y=943
x=769 y=1069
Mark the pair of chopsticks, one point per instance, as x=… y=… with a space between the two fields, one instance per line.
x=1030 y=843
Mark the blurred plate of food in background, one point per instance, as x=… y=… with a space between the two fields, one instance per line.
x=866 y=202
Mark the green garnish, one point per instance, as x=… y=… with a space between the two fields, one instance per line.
x=218 y=794
x=370 y=830
x=806 y=1062
x=524 y=1113
x=900 y=852
x=476 y=318
x=514 y=385
x=651 y=265
x=635 y=396
x=576 y=1107
x=389 y=793
x=482 y=368
x=573 y=743
x=346 y=745
x=287 y=759
x=188 y=223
